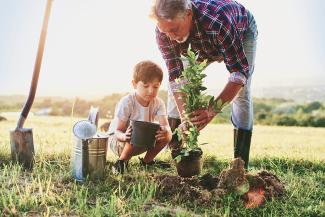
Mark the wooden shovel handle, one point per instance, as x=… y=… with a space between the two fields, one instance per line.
x=37 y=67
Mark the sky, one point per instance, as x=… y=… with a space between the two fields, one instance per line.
x=92 y=45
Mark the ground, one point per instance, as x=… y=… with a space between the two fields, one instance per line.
x=294 y=155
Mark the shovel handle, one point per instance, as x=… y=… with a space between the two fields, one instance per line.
x=37 y=67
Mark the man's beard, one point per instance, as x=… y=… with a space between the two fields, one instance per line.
x=183 y=39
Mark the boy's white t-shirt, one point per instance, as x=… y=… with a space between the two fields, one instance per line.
x=128 y=108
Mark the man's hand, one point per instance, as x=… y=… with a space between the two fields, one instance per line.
x=164 y=134
x=202 y=117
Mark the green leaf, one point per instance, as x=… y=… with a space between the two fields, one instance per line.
x=194 y=96
x=218 y=106
x=219 y=103
x=178 y=158
x=211 y=100
x=205 y=143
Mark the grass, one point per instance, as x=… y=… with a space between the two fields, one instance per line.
x=295 y=155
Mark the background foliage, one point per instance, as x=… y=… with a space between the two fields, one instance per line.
x=267 y=111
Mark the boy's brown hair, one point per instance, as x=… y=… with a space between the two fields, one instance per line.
x=147 y=71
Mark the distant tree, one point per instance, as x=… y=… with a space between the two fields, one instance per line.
x=261 y=116
x=312 y=107
x=319 y=122
x=286 y=121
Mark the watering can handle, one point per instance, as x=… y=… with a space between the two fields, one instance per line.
x=93 y=116
x=37 y=68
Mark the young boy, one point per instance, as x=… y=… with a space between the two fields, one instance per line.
x=143 y=105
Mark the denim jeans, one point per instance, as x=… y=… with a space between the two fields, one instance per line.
x=242 y=105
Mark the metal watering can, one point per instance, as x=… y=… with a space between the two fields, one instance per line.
x=89 y=152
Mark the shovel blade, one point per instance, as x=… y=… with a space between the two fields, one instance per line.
x=22 y=147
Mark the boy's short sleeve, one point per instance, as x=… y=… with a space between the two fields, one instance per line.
x=123 y=109
x=161 y=108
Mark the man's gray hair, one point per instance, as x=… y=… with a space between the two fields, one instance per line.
x=170 y=9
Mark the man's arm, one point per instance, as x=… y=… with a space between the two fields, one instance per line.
x=227 y=37
x=174 y=65
x=202 y=117
x=229 y=92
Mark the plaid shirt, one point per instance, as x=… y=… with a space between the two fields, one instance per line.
x=217 y=34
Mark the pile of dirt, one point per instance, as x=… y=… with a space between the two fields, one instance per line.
x=274 y=188
x=188 y=189
x=204 y=190
x=233 y=179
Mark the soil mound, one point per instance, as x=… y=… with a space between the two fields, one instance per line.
x=185 y=189
x=254 y=189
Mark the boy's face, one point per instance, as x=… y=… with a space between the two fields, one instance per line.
x=146 y=91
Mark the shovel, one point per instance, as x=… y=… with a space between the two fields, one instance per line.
x=21 y=139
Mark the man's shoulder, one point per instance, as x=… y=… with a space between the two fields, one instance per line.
x=208 y=13
x=214 y=11
x=211 y=7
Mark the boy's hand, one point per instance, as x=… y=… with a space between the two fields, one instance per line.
x=127 y=134
x=124 y=137
x=164 y=134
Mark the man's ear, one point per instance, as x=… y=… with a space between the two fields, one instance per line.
x=189 y=13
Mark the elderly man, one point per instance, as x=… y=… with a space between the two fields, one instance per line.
x=218 y=30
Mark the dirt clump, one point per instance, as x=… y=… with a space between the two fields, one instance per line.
x=274 y=188
x=204 y=190
x=233 y=179
x=208 y=181
x=185 y=189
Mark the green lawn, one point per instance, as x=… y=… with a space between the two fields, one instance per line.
x=295 y=154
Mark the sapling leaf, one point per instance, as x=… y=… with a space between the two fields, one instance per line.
x=217 y=106
x=219 y=103
x=194 y=99
x=178 y=158
x=211 y=100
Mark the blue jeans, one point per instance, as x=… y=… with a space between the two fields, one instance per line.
x=242 y=106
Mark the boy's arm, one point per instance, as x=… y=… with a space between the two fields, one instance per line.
x=164 y=134
x=122 y=133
